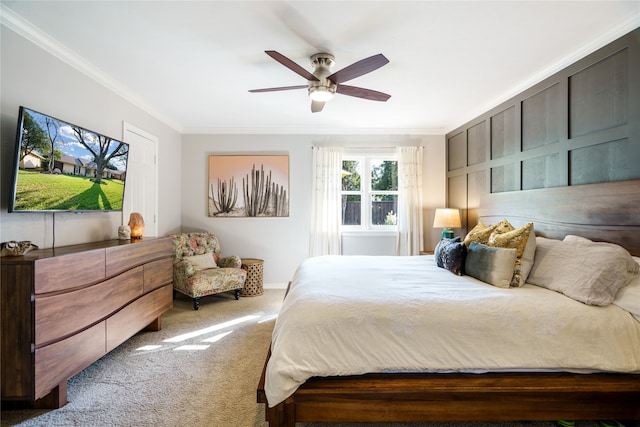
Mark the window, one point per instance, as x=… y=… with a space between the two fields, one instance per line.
x=369 y=192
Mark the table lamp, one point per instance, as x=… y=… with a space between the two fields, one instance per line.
x=447 y=219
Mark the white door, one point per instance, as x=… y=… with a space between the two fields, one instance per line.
x=141 y=190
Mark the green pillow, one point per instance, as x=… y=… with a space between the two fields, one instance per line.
x=491 y=265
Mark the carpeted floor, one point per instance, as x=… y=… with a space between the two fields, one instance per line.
x=201 y=369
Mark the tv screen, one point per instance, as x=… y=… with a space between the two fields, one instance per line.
x=62 y=167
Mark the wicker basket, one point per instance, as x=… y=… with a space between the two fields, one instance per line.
x=253 y=286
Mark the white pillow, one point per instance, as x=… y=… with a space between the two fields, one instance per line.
x=201 y=262
x=589 y=272
x=628 y=298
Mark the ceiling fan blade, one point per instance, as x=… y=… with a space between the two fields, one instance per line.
x=316 y=106
x=274 y=89
x=359 y=68
x=359 y=92
x=291 y=65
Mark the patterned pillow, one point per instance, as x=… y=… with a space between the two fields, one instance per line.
x=450 y=254
x=440 y=247
x=480 y=233
x=490 y=264
x=523 y=240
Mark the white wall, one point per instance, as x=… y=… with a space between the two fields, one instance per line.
x=34 y=78
x=284 y=242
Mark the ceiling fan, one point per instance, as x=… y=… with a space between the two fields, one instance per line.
x=323 y=85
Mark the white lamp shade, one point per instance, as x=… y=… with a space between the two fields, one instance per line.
x=447 y=218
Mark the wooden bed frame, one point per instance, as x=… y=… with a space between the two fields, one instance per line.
x=603 y=212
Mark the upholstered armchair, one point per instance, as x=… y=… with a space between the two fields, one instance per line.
x=199 y=270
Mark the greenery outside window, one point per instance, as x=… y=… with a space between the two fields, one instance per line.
x=369 y=193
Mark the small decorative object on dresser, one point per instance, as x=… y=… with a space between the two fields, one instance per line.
x=124 y=232
x=253 y=286
x=136 y=223
x=13 y=248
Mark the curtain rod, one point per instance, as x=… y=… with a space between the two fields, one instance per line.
x=364 y=148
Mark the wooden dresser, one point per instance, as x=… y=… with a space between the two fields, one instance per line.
x=64 y=308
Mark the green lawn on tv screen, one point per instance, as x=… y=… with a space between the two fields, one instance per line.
x=41 y=191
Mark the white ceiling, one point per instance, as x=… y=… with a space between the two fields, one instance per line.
x=191 y=63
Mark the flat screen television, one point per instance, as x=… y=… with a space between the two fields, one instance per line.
x=62 y=167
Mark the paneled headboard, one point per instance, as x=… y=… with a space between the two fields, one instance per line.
x=564 y=154
x=603 y=212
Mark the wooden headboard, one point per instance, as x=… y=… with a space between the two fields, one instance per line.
x=603 y=212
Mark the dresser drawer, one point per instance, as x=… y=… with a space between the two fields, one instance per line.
x=60 y=361
x=137 y=315
x=58 y=316
x=158 y=273
x=73 y=270
x=120 y=258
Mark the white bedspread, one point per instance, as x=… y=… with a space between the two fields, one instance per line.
x=354 y=315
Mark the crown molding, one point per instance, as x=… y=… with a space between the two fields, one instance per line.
x=311 y=131
x=24 y=28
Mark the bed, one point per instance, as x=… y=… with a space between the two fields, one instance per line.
x=455 y=386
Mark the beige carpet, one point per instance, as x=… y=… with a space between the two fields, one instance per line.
x=202 y=369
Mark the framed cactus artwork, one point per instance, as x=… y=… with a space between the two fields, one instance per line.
x=248 y=186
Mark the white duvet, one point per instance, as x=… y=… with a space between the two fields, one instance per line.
x=347 y=315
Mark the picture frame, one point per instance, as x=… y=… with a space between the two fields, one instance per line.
x=241 y=186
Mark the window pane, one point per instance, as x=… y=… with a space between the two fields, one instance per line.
x=350 y=175
x=384 y=175
x=351 y=209
x=384 y=208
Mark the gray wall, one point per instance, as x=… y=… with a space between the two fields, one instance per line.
x=34 y=78
x=284 y=242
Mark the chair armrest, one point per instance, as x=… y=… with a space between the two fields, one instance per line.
x=232 y=261
x=183 y=269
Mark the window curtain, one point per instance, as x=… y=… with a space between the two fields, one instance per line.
x=326 y=204
x=410 y=231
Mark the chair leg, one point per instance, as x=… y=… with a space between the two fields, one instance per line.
x=196 y=303
x=237 y=294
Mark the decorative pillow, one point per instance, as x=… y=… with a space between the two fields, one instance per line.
x=438 y=252
x=490 y=264
x=473 y=232
x=481 y=234
x=523 y=240
x=591 y=273
x=201 y=262
x=450 y=254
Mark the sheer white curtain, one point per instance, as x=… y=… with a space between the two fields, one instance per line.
x=410 y=234
x=326 y=204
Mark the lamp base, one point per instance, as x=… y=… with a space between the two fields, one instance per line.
x=447 y=233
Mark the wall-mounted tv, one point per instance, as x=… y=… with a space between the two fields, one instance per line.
x=61 y=167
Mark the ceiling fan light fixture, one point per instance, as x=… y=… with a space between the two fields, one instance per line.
x=321 y=93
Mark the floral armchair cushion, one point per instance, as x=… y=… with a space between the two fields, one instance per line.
x=194 y=282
